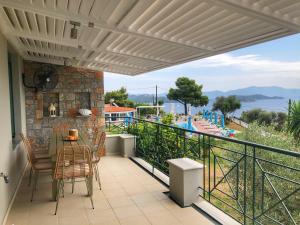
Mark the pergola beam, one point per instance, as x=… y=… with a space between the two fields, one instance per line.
x=257 y=12
x=64 y=54
x=65 y=15
x=66 y=44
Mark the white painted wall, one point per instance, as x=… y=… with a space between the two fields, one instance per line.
x=12 y=157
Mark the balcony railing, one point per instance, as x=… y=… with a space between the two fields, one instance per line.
x=253 y=183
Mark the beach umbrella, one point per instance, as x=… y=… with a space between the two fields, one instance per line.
x=189 y=125
x=203 y=114
x=157 y=119
x=222 y=121
x=210 y=117
x=216 y=118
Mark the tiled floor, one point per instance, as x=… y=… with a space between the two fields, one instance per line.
x=129 y=196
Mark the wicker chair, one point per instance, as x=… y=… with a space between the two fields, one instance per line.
x=99 y=142
x=36 y=155
x=73 y=162
x=38 y=165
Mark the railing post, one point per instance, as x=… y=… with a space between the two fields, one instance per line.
x=204 y=168
x=184 y=143
x=245 y=185
x=156 y=147
x=253 y=187
x=199 y=146
x=177 y=143
x=209 y=169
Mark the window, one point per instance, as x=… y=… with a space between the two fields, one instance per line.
x=114 y=117
x=12 y=109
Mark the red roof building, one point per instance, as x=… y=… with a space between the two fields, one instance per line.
x=112 y=112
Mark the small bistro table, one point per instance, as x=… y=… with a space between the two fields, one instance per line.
x=56 y=144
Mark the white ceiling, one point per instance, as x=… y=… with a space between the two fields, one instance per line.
x=136 y=36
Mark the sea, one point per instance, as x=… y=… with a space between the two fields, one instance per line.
x=277 y=105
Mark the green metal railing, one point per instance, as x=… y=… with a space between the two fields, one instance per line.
x=254 y=184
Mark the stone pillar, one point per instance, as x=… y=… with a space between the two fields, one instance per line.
x=186 y=176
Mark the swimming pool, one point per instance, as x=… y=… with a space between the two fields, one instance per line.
x=185 y=126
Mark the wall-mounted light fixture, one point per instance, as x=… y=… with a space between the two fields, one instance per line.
x=74 y=29
x=5 y=177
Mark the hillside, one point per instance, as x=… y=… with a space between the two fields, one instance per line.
x=146 y=98
x=249 y=94
x=266 y=91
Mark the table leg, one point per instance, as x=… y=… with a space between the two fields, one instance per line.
x=54 y=184
x=90 y=181
x=54 y=189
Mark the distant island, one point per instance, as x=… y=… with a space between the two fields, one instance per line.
x=148 y=98
x=256 y=97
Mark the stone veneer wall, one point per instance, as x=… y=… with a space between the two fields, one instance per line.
x=71 y=82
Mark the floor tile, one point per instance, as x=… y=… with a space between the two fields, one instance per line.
x=116 y=202
x=127 y=211
x=74 y=220
x=135 y=220
x=164 y=218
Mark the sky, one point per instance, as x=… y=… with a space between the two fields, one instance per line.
x=273 y=63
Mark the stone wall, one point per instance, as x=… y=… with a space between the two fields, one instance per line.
x=75 y=87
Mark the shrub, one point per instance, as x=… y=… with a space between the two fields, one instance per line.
x=262 y=117
x=167 y=119
x=294 y=120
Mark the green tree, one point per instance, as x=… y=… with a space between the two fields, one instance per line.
x=160 y=102
x=120 y=97
x=187 y=92
x=227 y=104
x=251 y=115
x=277 y=119
x=167 y=119
x=281 y=119
x=294 y=120
x=265 y=118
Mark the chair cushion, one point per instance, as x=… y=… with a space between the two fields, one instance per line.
x=73 y=171
x=43 y=165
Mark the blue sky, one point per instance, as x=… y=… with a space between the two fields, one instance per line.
x=274 y=63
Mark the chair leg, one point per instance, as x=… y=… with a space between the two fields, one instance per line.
x=60 y=188
x=88 y=189
x=87 y=186
x=63 y=189
x=73 y=184
x=30 y=175
x=94 y=168
x=98 y=175
x=36 y=175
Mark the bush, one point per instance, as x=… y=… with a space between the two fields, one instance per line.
x=294 y=120
x=167 y=119
x=262 y=117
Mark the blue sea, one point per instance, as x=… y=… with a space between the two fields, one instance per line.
x=277 y=105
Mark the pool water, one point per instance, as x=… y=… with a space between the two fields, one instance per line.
x=185 y=126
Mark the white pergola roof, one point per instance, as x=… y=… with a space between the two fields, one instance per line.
x=136 y=36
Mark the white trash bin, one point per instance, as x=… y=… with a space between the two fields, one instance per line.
x=186 y=176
